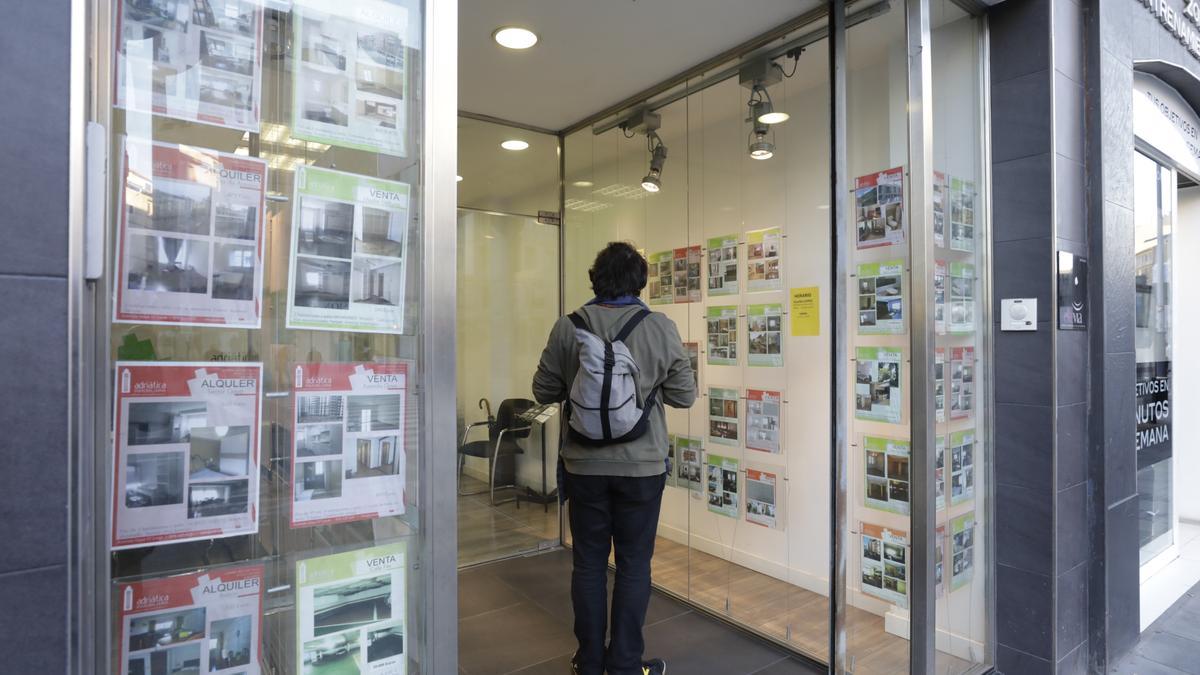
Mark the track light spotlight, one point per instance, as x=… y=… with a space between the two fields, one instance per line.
x=658 y=157
x=762 y=110
x=760 y=146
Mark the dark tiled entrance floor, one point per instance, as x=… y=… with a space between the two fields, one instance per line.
x=515 y=617
x=1171 y=645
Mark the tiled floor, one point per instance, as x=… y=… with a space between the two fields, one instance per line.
x=515 y=617
x=1171 y=646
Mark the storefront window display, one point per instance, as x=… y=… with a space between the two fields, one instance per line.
x=265 y=333
x=762 y=226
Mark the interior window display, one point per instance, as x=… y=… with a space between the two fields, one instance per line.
x=195 y=63
x=190 y=245
x=885 y=563
x=887 y=474
x=266 y=318
x=880 y=298
x=878 y=389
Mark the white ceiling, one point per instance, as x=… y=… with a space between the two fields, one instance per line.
x=594 y=53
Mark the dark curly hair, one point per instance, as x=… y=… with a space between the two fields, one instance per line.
x=619 y=271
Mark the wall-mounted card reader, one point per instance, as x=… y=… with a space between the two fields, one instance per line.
x=1018 y=314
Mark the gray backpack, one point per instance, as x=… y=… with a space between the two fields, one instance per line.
x=604 y=407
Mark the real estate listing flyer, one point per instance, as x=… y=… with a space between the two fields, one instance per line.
x=205 y=622
x=962 y=215
x=879 y=208
x=762 y=496
x=962 y=466
x=674 y=276
x=348 y=451
x=194 y=62
x=939 y=208
x=672 y=462
x=763 y=250
x=880 y=298
x=185 y=451
x=723 y=416
x=962 y=382
x=723 y=265
x=764 y=413
x=349 y=253
x=722 y=326
x=764 y=327
x=350 y=612
x=689 y=462
x=722 y=488
x=887 y=474
x=962 y=298
x=939 y=567
x=962 y=564
x=878 y=395
x=939 y=472
x=939 y=384
x=190 y=239
x=693 y=352
x=939 y=296
x=885 y=564
x=350 y=81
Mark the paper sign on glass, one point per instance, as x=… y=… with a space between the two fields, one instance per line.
x=763 y=251
x=806 y=308
x=763 y=415
x=348 y=431
x=762 y=496
x=764 y=324
x=723 y=265
x=878 y=393
x=962 y=466
x=962 y=382
x=350 y=613
x=885 y=564
x=190 y=239
x=722 y=328
x=879 y=208
x=350 y=76
x=185 y=451
x=349 y=252
x=962 y=551
x=723 y=416
x=881 y=298
x=674 y=276
x=962 y=215
x=722 y=485
x=199 y=65
x=962 y=298
x=205 y=622
x=887 y=474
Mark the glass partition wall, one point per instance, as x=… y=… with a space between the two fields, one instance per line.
x=508 y=266
x=739 y=249
x=269 y=378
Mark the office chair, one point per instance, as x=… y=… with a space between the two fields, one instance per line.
x=502 y=441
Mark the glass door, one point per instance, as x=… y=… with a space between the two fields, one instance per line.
x=1154 y=208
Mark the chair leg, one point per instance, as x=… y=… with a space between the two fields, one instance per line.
x=462 y=470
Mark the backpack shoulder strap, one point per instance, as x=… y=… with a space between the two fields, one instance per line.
x=578 y=321
x=632 y=323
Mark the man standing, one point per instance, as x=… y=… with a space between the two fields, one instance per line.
x=614 y=484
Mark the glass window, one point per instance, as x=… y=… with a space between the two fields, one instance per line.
x=265 y=333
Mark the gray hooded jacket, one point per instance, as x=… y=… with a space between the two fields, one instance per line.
x=658 y=351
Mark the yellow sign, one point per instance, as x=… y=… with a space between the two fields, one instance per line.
x=806 y=311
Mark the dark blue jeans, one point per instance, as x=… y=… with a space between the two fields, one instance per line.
x=610 y=511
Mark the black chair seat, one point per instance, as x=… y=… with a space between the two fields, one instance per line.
x=484 y=448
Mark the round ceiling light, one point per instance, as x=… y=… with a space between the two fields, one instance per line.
x=513 y=37
x=774 y=117
x=458 y=179
x=583 y=183
x=514 y=144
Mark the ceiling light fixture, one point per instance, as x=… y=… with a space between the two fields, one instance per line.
x=458 y=179
x=658 y=157
x=583 y=183
x=762 y=110
x=514 y=144
x=514 y=37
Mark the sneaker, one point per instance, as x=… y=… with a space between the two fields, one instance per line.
x=654 y=667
